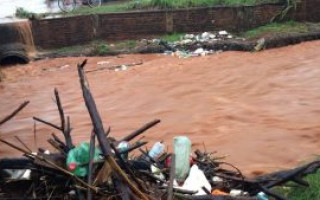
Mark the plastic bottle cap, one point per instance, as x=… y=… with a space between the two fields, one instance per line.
x=72 y=166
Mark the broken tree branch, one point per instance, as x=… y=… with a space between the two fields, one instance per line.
x=99 y=130
x=140 y=130
x=25 y=146
x=47 y=123
x=64 y=126
x=15 y=112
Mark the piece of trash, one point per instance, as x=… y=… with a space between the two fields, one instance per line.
x=182 y=150
x=103 y=62
x=199 y=51
x=219 y=192
x=123 y=67
x=157 y=150
x=196 y=180
x=64 y=66
x=157 y=172
x=223 y=33
x=262 y=196
x=123 y=146
x=237 y=192
x=260 y=44
x=217 y=179
x=78 y=158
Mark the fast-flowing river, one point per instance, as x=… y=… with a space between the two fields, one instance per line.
x=262 y=109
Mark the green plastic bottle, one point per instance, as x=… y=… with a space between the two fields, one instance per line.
x=78 y=159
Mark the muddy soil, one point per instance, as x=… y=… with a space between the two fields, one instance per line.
x=262 y=109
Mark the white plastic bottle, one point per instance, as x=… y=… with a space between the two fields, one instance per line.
x=156 y=150
x=182 y=150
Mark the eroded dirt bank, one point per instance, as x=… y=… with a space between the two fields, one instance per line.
x=263 y=109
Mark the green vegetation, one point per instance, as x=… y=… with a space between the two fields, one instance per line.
x=23 y=13
x=107 y=8
x=304 y=193
x=101 y=49
x=128 y=44
x=276 y=28
x=163 y=4
x=172 y=37
x=69 y=49
x=195 y=3
x=290 y=4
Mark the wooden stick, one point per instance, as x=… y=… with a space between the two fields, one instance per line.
x=16 y=111
x=23 y=143
x=140 y=130
x=172 y=175
x=99 y=130
x=56 y=138
x=91 y=159
x=60 y=109
x=35 y=134
x=47 y=123
x=133 y=147
x=126 y=168
x=65 y=126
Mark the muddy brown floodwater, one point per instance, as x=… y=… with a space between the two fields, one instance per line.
x=262 y=109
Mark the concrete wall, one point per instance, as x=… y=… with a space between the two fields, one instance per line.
x=54 y=33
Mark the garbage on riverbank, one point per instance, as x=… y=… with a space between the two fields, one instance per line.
x=109 y=171
x=194 y=45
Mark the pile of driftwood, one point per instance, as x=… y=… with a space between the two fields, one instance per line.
x=115 y=177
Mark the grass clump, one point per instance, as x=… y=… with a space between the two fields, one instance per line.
x=128 y=44
x=102 y=49
x=172 y=37
x=107 y=8
x=69 y=49
x=195 y=3
x=163 y=4
x=276 y=28
x=303 y=193
x=23 y=13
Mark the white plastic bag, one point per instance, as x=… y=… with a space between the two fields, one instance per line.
x=196 y=180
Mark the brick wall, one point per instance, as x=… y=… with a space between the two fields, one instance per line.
x=52 y=33
x=313 y=10
x=59 y=32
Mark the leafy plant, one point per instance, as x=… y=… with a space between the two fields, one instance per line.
x=23 y=13
x=290 y=4
x=102 y=49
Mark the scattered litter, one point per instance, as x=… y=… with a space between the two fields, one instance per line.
x=260 y=45
x=223 y=33
x=103 y=62
x=116 y=68
x=181 y=48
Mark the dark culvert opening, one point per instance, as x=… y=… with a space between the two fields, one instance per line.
x=13 y=59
